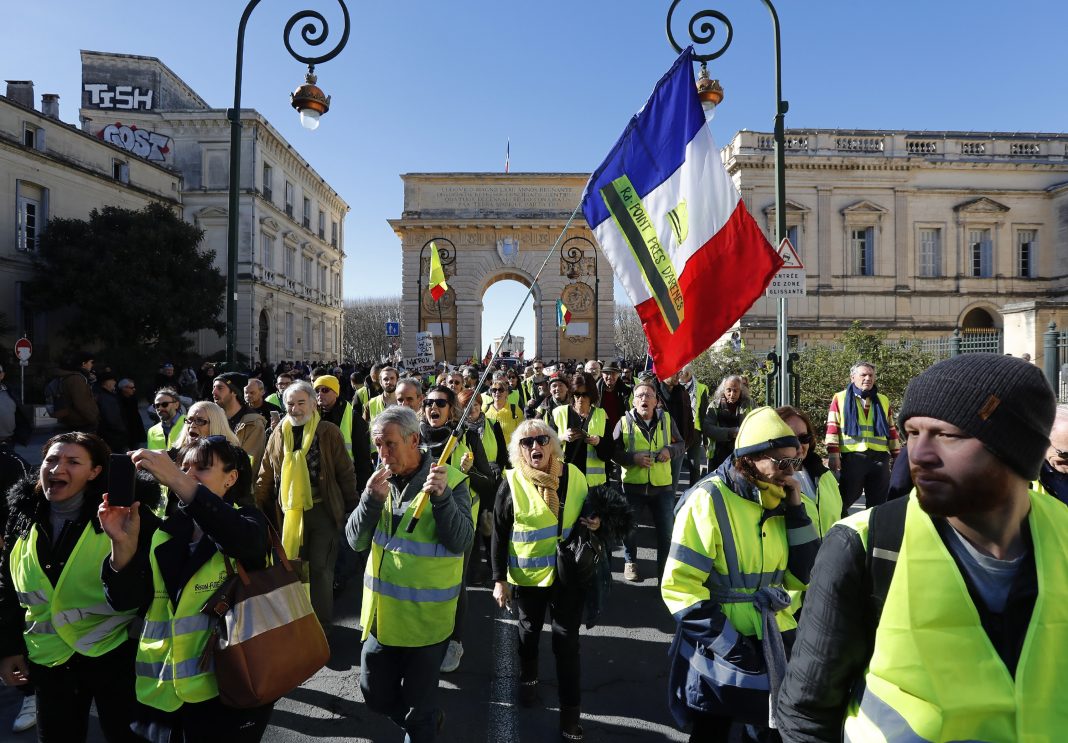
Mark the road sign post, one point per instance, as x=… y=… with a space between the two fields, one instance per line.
x=23 y=351
x=790 y=280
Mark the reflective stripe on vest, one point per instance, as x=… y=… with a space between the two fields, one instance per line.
x=73 y=617
x=411 y=582
x=156 y=441
x=168 y=665
x=718 y=542
x=595 y=426
x=659 y=475
x=532 y=547
x=868 y=441
x=930 y=634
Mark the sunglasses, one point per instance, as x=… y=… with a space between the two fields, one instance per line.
x=159 y=405
x=529 y=441
x=455 y=382
x=197 y=421
x=581 y=393
x=804 y=438
x=786 y=463
x=436 y=401
x=496 y=390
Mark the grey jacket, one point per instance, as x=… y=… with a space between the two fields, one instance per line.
x=452 y=512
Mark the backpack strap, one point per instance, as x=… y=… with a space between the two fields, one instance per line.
x=886 y=531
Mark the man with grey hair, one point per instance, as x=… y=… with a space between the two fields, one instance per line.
x=307 y=483
x=593 y=368
x=1053 y=478
x=416 y=518
x=254 y=397
x=862 y=439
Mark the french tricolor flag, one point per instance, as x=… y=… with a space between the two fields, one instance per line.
x=673 y=226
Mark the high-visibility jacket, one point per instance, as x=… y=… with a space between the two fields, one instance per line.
x=275 y=399
x=868 y=441
x=824 y=511
x=508 y=417
x=375 y=406
x=361 y=394
x=168 y=664
x=346 y=428
x=702 y=402
x=158 y=442
x=934 y=675
x=73 y=616
x=489 y=441
x=721 y=540
x=536 y=531
x=412 y=582
x=595 y=473
x=659 y=475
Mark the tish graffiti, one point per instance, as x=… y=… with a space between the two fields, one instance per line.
x=126 y=97
x=140 y=142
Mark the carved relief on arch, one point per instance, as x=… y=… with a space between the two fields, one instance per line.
x=579 y=298
x=447 y=302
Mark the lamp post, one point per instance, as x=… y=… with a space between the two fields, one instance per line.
x=702 y=30
x=572 y=253
x=309 y=101
x=448 y=257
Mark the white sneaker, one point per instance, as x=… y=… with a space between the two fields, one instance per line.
x=27 y=716
x=453 y=654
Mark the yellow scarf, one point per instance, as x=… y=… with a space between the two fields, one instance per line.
x=295 y=493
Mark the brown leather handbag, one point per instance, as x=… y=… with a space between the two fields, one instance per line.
x=266 y=639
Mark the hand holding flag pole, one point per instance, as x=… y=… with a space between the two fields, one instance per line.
x=423 y=498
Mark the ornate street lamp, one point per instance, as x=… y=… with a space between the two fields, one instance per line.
x=309 y=101
x=447 y=254
x=702 y=30
x=572 y=255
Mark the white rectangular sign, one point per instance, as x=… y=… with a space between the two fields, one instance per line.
x=424 y=343
x=788 y=282
x=419 y=363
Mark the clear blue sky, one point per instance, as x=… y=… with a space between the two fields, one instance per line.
x=424 y=87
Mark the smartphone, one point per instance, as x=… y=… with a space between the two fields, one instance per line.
x=121 y=476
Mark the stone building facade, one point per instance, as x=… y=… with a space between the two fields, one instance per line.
x=48 y=170
x=494 y=226
x=915 y=232
x=291 y=237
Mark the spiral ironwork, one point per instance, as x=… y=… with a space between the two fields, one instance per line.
x=315 y=33
x=702 y=31
x=447 y=254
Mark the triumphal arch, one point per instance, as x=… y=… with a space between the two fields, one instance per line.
x=494 y=226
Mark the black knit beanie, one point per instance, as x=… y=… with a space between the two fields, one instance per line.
x=1003 y=401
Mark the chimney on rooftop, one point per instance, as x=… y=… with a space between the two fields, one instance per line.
x=21 y=92
x=50 y=105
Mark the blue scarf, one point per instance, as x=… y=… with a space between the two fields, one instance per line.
x=852 y=424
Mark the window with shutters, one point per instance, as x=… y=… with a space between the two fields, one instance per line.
x=307 y=332
x=333 y=233
x=305 y=219
x=980 y=258
x=862 y=250
x=322 y=225
x=289 y=331
x=268 y=182
x=930 y=258
x=291 y=263
x=291 y=194
x=1026 y=253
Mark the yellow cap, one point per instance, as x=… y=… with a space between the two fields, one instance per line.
x=763 y=429
x=327 y=380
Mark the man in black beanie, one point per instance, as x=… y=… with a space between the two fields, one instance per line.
x=924 y=604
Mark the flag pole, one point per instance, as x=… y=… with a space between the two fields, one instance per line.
x=424 y=497
x=441 y=332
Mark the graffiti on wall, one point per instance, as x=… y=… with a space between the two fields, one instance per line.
x=141 y=142
x=127 y=97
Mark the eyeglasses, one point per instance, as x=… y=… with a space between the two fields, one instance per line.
x=804 y=438
x=427 y=403
x=529 y=441
x=455 y=382
x=643 y=395
x=159 y=405
x=197 y=421
x=786 y=463
x=498 y=390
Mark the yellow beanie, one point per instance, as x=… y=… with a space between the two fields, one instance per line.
x=763 y=429
x=327 y=380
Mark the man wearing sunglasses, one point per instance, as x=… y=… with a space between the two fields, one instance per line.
x=941 y=616
x=171 y=420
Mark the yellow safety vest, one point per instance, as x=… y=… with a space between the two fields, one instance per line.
x=868 y=441
x=659 y=475
x=719 y=541
x=509 y=417
x=489 y=441
x=536 y=532
x=933 y=675
x=824 y=512
x=346 y=428
x=168 y=664
x=275 y=399
x=72 y=617
x=595 y=472
x=412 y=582
x=158 y=442
x=698 y=411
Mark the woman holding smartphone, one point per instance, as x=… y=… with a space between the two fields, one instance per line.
x=581 y=428
x=56 y=629
x=172 y=577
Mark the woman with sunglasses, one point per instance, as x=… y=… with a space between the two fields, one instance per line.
x=172 y=577
x=516 y=395
x=819 y=486
x=507 y=415
x=581 y=426
x=539 y=502
x=741 y=537
x=56 y=630
x=439 y=417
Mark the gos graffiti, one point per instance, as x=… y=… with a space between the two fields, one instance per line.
x=141 y=142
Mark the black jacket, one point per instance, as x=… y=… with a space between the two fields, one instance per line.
x=361 y=440
x=483 y=480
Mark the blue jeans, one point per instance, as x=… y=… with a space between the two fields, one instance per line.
x=401 y=683
x=662 y=505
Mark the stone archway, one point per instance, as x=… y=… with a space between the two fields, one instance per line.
x=502 y=226
x=979 y=319
x=534 y=347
